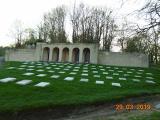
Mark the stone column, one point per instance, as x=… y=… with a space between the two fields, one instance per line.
x=50 y=54
x=80 y=55
x=70 y=55
x=60 y=55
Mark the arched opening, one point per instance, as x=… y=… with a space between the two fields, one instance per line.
x=46 y=54
x=55 y=55
x=75 y=55
x=65 y=55
x=86 y=55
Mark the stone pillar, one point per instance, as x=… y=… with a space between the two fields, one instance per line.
x=70 y=55
x=80 y=55
x=50 y=54
x=60 y=55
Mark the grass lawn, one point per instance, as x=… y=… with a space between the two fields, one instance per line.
x=15 y=97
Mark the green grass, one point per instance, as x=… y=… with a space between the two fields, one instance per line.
x=15 y=97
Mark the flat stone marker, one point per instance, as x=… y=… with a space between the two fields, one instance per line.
x=137 y=76
x=116 y=84
x=84 y=74
x=48 y=67
x=109 y=77
x=132 y=69
x=139 y=73
x=93 y=68
x=105 y=73
x=102 y=69
x=116 y=68
x=25 y=63
x=57 y=68
x=96 y=76
x=21 y=68
x=85 y=71
x=61 y=72
x=149 y=77
x=122 y=79
x=53 y=65
x=10 y=68
x=100 y=66
x=111 y=70
x=28 y=74
x=157 y=106
x=55 y=76
x=61 y=66
x=31 y=66
x=39 y=66
x=24 y=82
x=77 y=67
x=115 y=73
x=141 y=70
x=136 y=80
x=9 y=79
x=30 y=69
x=83 y=80
x=108 y=67
x=129 y=72
x=126 y=75
x=149 y=74
x=85 y=68
x=69 y=78
x=40 y=70
x=51 y=71
x=76 y=70
x=120 y=71
x=95 y=71
x=42 y=84
x=41 y=75
x=73 y=73
x=99 y=82
x=150 y=81
x=66 y=69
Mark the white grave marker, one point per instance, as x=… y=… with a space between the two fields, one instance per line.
x=24 y=82
x=42 y=84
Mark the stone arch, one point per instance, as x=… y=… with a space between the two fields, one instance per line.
x=65 y=54
x=46 y=52
x=75 y=55
x=55 y=54
x=86 y=55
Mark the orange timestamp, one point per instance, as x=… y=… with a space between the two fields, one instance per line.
x=141 y=106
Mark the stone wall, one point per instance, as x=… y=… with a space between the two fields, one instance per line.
x=123 y=59
x=20 y=55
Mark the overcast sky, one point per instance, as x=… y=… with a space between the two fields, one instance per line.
x=30 y=12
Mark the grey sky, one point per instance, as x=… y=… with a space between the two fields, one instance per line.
x=30 y=12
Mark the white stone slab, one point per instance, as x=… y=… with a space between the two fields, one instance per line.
x=51 y=71
x=8 y=79
x=10 y=68
x=116 y=84
x=98 y=76
x=61 y=72
x=39 y=66
x=77 y=67
x=40 y=70
x=116 y=74
x=55 y=76
x=105 y=73
x=41 y=75
x=149 y=74
x=76 y=70
x=42 y=84
x=85 y=71
x=129 y=72
x=102 y=69
x=132 y=69
x=149 y=77
x=100 y=66
x=120 y=71
x=57 y=68
x=126 y=75
x=24 y=82
x=85 y=68
x=108 y=67
x=83 y=80
x=93 y=68
x=111 y=70
x=150 y=81
x=84 y=74
x=53 y=65
x=30 y=69
x=137 y=76
x=72 y=73
x=136 y=80
x=99 y=82
x=116 y=68
x=141 y=70
x=23 y=66
x=31 y=66
x=122 y=79
x=69 y=78
x=95 y=71
x=66 y=69
x=139 y=73
x=109 y=77
x=20 y=68
x=48 y=67
x=28 y=74
x=61 y=66
x=25 y=63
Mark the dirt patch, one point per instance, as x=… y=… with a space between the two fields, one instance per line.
x=103 y=111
